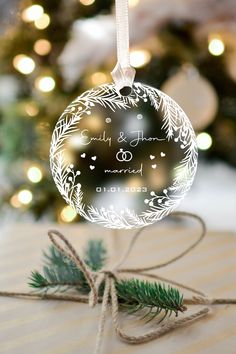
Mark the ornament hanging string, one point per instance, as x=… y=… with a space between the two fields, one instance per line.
x=109 y=297
x=123 y=74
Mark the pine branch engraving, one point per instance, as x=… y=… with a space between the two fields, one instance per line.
x=176 y=126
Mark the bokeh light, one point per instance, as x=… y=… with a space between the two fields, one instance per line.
x=68 y=214
x=43 y=22
x=24 y=64
x=133 y=3
x=99 y=78
x=139 y=58
x=216 y=46
x=15 y=201
x=75 y=141
x=25 y=196
x=34 y=174
x=32 y=13
x=45 y=83
x=31 y=109
x=204 y=141
x=87 y=2
x=42 y=47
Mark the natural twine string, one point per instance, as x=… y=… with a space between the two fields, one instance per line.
x=109 y=297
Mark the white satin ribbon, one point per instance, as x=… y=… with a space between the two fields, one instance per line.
x=123 y=74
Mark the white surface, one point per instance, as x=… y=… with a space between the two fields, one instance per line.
x=213 y=196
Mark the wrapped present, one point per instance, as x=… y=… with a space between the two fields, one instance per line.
x=67 y=327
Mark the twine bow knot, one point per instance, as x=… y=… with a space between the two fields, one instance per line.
x=109 y=296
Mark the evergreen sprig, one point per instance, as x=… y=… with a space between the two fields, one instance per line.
x=60 y=273
x=137 y=295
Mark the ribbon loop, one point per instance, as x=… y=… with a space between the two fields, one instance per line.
x=123 y=78
x=123 y=74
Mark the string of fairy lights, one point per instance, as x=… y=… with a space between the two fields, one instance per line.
x=26 y=65
x=45 y=84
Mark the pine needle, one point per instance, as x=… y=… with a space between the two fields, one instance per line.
x=136 y=295
x=61 y=274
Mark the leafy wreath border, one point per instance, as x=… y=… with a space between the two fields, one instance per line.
x=176 y=126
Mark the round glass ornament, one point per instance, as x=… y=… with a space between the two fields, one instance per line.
x=123 y=161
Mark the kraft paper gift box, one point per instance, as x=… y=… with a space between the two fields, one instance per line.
x=60 y=327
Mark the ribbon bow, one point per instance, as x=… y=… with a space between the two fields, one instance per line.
x=108 y=276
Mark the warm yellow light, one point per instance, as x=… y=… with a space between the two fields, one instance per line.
x=45 y=83
x=43 y=22
x=68 y=214
x=75 y=141
x=87 y=2
x=31 y=109
x=133 y=3
x=15 y=201
x=25 y=196
x=98 y=78
x=42 y=46
x=32 y=13
x=216 y=46
x=34 y=174
x=23 y=64
x=204 y=141
x=95 y=123
x=134 y=182
x=139 y=58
